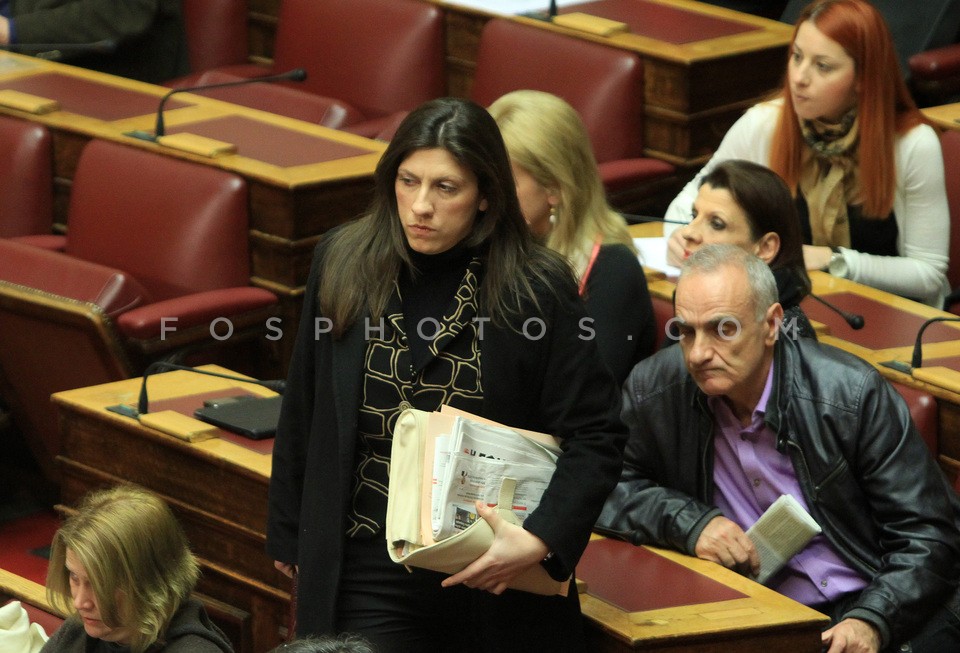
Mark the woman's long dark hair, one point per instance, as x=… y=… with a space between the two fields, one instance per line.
x=364 y=257
x=765 y=199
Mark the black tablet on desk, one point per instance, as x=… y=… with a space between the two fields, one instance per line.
x=254 y=418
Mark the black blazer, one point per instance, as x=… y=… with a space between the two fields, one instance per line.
x=150 y=35
x=556 y=384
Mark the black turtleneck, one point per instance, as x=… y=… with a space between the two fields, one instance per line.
x=427 y=293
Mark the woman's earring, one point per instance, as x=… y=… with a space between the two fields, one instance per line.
x=553 y=215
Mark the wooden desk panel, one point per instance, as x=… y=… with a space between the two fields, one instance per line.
x=946 y=116
x=729 y=612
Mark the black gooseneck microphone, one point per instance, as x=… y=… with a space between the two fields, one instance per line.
x=539 y=14
x=855 y=321
x=640 y=219
x=917 y=358
x=295 y=75
x=143 y=403
x=55 y=51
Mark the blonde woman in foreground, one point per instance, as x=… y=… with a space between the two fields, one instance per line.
x=122 y=568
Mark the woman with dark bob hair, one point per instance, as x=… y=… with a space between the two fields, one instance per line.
x=745 y=204
x=121 y=566
x=437 y=295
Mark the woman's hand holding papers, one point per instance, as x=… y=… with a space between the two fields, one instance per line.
x=514 y=550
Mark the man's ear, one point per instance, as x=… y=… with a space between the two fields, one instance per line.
x=771 y=322
x=767 y=247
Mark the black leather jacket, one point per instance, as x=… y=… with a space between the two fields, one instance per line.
x=865 y=473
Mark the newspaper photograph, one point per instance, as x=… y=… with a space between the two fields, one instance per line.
x=470 y=465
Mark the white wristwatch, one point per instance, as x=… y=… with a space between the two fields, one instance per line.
x=838 y=265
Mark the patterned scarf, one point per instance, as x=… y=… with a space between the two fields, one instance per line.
x=829 y=177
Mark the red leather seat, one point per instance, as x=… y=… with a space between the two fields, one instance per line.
x=923 y=411
x=26 y=178
x=935 y=75
x=375 y=57
x=156 y=252
x=662 y=312
x=216 y=33
x=604 y=84
x=950 y=144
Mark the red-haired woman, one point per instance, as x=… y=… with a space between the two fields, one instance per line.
x=849 y=141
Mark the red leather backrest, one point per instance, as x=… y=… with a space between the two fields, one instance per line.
x=216 y=32
x=380 y=56
x=662 y=313
x=950 y=144
x=605 y=85
x=177 y=227
x=923 y=410
x=26 y=178
x=112 y=290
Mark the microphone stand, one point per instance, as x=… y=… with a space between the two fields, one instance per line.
x=143 y=403
x=916 y=359
x=295 y=75
x=855 y=321
x=55 y=51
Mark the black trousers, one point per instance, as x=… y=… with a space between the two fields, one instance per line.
x=404 y=612
x=940 y=633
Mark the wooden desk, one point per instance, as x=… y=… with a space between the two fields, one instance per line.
x=946 y=116
x=686 y=604
x=695 y=87
x=303 y=179
x=218 y=490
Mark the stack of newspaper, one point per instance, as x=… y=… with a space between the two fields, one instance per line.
x=471 y=462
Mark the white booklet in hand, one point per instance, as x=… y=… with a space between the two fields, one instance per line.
x=780 y=533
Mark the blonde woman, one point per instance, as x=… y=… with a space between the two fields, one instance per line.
x=121 y=565
x=562 y=200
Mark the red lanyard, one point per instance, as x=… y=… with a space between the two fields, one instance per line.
x=593 y=259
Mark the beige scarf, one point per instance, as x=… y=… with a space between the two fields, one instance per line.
x=828 y=177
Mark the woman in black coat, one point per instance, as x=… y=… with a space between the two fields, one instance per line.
x=438 y=295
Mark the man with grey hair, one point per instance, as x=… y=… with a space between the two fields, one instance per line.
x=736 y=416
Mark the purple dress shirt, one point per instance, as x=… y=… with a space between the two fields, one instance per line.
x=749 y=475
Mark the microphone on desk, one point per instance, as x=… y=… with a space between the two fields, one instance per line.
x=540 y=15
x=55 y=51
x=917 y=359
x=855 y=321
x=295 y=75
x=143 y=404
x=640 y=219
